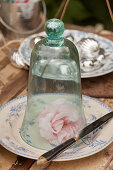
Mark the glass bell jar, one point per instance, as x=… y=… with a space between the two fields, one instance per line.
x=54 y=104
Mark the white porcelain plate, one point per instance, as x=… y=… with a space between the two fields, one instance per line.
x=107 y=45
x=11 y=116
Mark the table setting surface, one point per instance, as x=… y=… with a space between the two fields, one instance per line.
x=13 y=83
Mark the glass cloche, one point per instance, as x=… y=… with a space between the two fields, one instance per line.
x=54 y=104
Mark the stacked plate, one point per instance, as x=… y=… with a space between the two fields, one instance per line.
x=95 y=52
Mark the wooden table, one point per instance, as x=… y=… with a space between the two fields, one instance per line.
x=13 y=83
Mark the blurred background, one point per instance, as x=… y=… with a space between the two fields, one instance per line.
x=84 y=12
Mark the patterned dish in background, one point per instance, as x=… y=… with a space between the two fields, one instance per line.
x=101 y=66
x=11 y=116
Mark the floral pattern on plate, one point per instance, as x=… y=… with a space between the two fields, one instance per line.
x=11 y=116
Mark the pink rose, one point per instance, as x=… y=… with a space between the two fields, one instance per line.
x=60 y=121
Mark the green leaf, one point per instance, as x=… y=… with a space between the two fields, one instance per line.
x=77 y=11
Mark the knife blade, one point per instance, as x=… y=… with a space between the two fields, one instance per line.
x=53 y=153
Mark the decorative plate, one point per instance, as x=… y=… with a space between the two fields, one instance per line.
x=11 y=116
x=105 y=45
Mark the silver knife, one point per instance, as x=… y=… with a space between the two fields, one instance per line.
x=53 y=153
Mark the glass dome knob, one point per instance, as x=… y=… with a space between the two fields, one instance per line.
x=54 y=29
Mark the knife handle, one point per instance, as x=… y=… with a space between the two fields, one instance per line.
x=53 y=153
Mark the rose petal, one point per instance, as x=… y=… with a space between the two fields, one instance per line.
x=57 y=126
